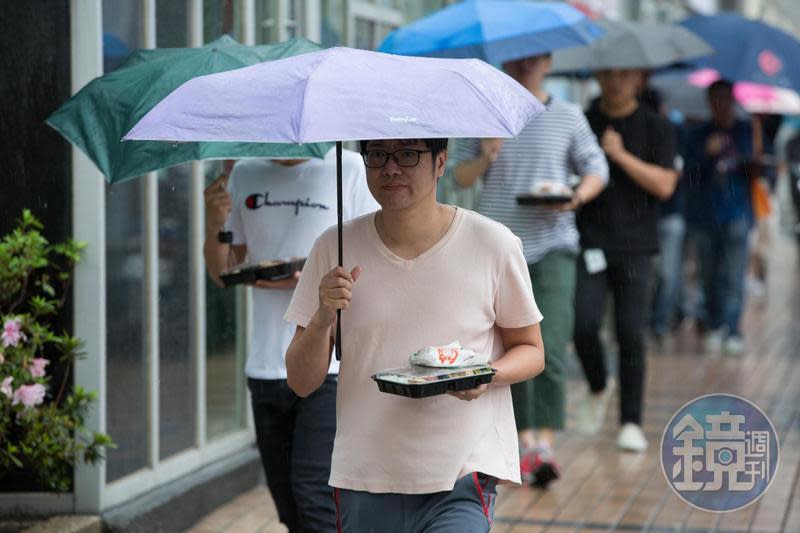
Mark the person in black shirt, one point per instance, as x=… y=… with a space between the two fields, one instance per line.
x=619 y=236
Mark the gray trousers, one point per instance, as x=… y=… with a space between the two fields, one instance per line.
x=468 y=508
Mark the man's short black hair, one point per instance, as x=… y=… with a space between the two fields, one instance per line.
x=720 y=85
x=436 y=146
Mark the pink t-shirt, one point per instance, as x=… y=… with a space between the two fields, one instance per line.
x=473 y=279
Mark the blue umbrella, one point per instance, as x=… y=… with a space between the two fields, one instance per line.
x=748 y=50
x=495 y=31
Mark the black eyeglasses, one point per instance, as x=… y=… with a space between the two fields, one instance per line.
x=405 y=157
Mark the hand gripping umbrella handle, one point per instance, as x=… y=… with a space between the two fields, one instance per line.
x=338 y=341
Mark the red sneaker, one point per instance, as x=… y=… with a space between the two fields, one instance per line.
x=527 y=459
x=544 y=468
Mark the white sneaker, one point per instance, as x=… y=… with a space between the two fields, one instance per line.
x=592 y=409
x=631 y=438
x=712 y=342
x=734 y=345
x=755 y=287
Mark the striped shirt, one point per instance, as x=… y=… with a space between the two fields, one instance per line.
x=554 y=146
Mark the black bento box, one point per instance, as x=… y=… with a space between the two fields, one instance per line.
x=268 y=270
x=422 y=381
x=544 y=199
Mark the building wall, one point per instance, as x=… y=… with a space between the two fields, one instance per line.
x=34 y=159
x=34 y=80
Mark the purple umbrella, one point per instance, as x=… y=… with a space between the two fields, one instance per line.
x=343 y=94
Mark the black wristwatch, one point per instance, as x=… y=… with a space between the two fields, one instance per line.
x=225 y=237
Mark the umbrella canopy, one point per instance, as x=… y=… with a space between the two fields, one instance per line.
x=97 y=117
x=753 y=97
x=690 y=99
x=687 y=94
x=748 y=50
x=766 y=99
x=632 y=45
x=343 y=94
x=495 y=31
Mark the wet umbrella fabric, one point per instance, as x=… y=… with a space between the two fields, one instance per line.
x=343 y=94
x=632 y=45
x=680 y=95
x=96 y=118
x=687 y=94
x=748 y=50
x=494 y=31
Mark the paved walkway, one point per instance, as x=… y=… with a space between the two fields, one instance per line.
x=602 y=489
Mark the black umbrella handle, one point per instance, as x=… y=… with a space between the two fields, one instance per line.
x=338 y=340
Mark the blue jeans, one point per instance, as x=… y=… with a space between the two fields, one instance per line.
x=295 y=440
x=722 y=250
x=468 y=508
x=671 y=233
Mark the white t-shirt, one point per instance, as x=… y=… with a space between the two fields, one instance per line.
x=279 y=212
x=474 y=279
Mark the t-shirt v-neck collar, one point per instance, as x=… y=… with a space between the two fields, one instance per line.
x=394 y=258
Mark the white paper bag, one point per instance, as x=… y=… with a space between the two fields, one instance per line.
x=449 y=356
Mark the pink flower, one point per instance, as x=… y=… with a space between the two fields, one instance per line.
x=11 y=333
x=5 y=388
x=37 y=367
x=29 y=395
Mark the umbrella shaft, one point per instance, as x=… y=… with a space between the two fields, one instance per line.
x=341 y=248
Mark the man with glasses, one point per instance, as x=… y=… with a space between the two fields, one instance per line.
x=417 y=273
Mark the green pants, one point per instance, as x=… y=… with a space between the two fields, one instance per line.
x=540 y=402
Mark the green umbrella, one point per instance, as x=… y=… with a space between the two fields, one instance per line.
x=97 y=117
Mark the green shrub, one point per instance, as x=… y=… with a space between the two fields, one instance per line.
x=42 y=429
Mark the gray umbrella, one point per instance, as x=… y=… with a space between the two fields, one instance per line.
x=628 y=45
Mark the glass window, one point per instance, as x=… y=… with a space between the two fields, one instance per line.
x=266 y=21
x=333 y=22
x=269 y=19
x=226 y=398
x=177 y=375
x=122 y=31
x=126 y=366
x=420 y=8
x=365 y=33
x=293 y=20
x=177 y=370
x=370 y=33
x=172 y=24
x=382 y=30
x=221 y=17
